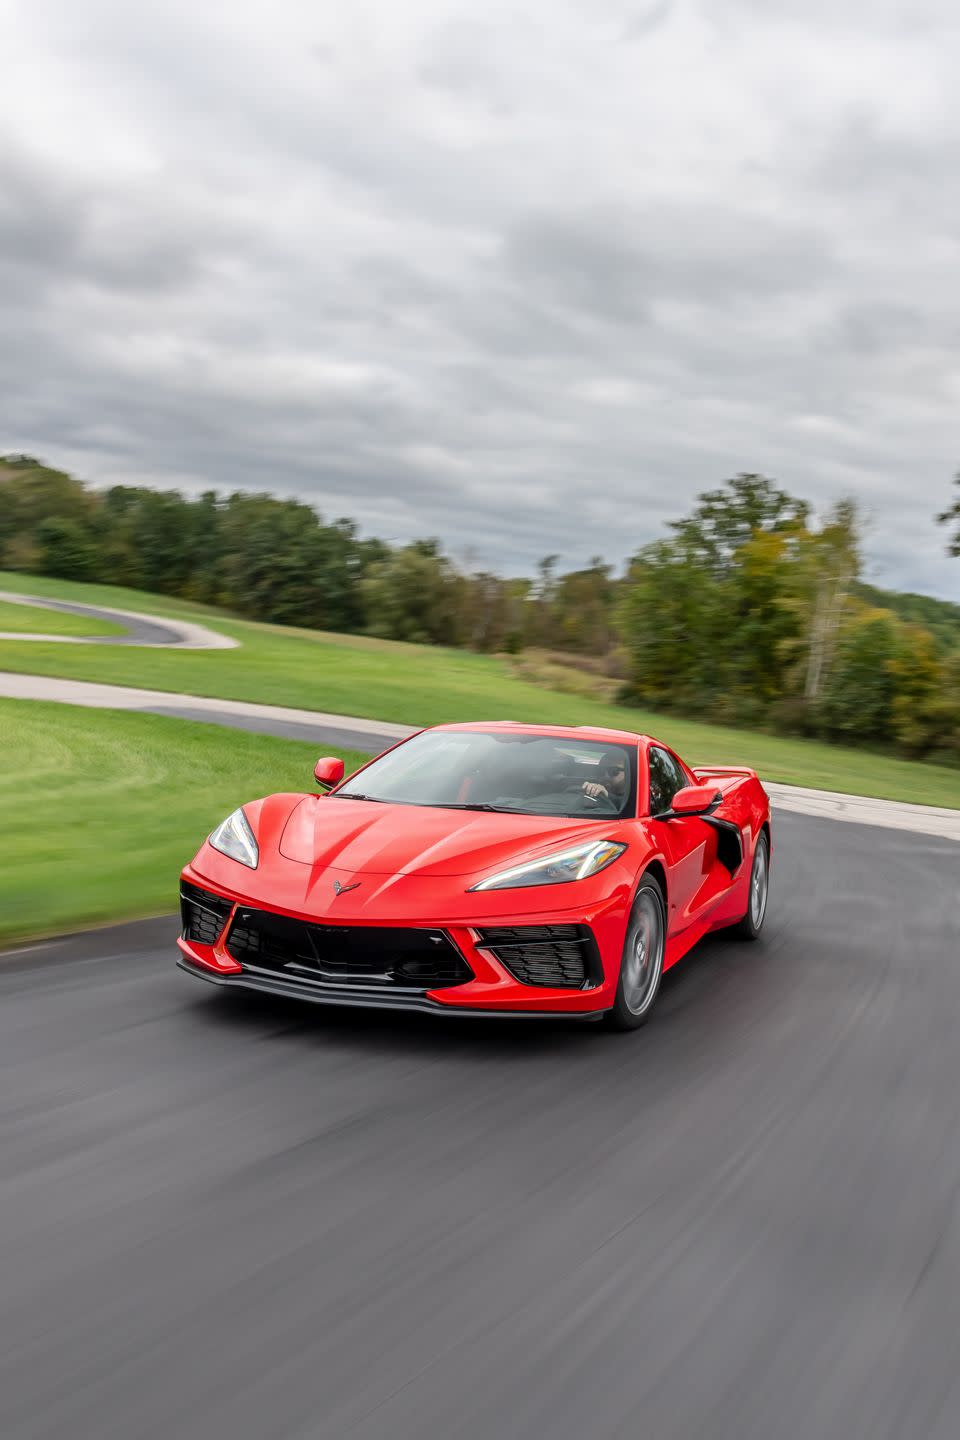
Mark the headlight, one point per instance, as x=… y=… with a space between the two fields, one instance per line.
x=577 y=864
x=234 y=837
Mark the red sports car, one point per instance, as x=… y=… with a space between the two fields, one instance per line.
x=483 y=869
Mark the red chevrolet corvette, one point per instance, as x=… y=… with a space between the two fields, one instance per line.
x=483 y=869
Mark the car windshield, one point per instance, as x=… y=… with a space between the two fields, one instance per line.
x=503 y=770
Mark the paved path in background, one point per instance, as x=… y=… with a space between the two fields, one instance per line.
x=371 y=736
x=228 y=1217
x=138 y=629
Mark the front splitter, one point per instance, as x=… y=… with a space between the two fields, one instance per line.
x=363 y=999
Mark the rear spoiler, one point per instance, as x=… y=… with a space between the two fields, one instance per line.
x=723 y=770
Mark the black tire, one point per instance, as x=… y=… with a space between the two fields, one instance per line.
x=752 y=923
x=641 y=963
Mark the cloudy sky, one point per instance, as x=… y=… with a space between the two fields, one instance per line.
x=524 y=275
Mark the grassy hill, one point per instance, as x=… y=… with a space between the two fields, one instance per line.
x=940 y=617
x=35 y=620
x=424 y=685
x=101 y=809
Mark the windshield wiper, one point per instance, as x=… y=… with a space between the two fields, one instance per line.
x=482 y=805
x=431 y=804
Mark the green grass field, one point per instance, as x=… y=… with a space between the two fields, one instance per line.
x=423 y=685
x=102 y=808
x=32 y=619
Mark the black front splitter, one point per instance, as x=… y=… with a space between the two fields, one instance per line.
x=364 y=999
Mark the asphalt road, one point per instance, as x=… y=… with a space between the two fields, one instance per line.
x=352 y=732
x=233 y=1217
x=137 y=629
x=337 y=736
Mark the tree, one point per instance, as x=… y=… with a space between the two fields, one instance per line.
x=66 y=549
x=826 y=564
x=940 y=617
x=487 y=611
x=747 y=610
x=540 y=623
x=951 y=516
x=704 y=615
x=725 y=519
x=762 y=625
x=860 y=690
x=669 y=615
x=919 y=716
x=31 y=493
x=282 y=564
x=582 y=605
x=414 y=594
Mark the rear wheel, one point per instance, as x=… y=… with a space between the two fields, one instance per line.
x=641 y=964
x=752 y=923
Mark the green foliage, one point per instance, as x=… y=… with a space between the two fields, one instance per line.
x=940 y=617
x=749 y=607
x=413 y=594
x=258 y=556
x=281 y=563
x=709 y=616
x=45 y=520
x=920 y=706
x=66 y=549
x=860 y=692
x=581 y=616
x=428 y=685
x=726 y=519
x=756 y=612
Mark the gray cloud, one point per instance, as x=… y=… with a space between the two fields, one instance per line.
x=527 y=278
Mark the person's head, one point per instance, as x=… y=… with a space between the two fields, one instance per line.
x=613 y=773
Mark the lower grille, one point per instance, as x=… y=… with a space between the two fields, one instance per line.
x=203 y=914
x=396 y=959
x=563 y=957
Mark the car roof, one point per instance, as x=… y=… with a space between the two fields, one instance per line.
x=572 y=732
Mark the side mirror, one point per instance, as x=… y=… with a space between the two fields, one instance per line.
x=695 y=800
x=328 y=771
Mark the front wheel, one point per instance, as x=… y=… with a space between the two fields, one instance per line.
x=641 y=964
x=752 y=923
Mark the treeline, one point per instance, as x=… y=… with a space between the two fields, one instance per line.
x=755 y=614
x=278 y=561
x=749 y=611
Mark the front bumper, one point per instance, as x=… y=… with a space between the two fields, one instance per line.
x=359 y=998
x=491 y=990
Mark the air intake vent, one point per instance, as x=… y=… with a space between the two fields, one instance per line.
x=329 y=955
x=203 y=913
x=560 y=957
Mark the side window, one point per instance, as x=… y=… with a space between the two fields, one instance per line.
x=666 y=778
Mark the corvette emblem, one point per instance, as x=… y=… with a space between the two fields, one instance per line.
x=339 y=889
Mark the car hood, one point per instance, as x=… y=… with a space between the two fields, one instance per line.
x=382 y=839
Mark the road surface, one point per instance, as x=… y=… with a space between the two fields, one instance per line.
x=240 y=1218
x=138 y=629
x=351 y=732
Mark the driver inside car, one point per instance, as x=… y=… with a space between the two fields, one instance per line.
x=612 y=784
